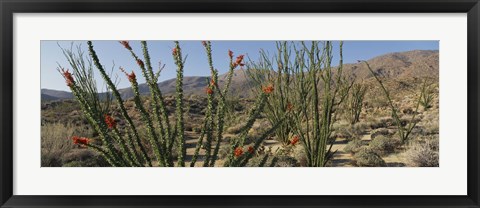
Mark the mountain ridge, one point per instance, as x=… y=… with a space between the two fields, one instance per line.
x=415 y=63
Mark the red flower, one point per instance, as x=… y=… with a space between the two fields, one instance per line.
x=80 y=140
x=238 y=152
x=212 y=82
x=110 y=121
x=209 y=90
x=251 y=149
x=140 y=63
x=174 y=51
x=268 y=89
x=131 y=76
x=239 y=60
x=294 y=140
x=68 y=77
x=126 y=44
x=289 y=107
x=204 y=43
x=230 y=53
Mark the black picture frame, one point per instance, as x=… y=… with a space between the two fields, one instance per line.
x=9 y=7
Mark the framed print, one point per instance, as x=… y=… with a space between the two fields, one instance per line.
x=247 y=104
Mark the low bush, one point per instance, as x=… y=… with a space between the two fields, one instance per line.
x=286 y=161
x=423 y=154
x=380 y=132
x=353 y=146
x=366 y=157
x=384 y=145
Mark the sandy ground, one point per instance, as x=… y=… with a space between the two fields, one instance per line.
x=340 y=159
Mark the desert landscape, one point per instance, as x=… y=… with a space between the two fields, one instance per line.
x=297 y=106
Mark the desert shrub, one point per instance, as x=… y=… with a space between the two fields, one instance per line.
x=430 y=127
x=380 y=132
x=423 y=154
x=197 y=129
x=383 y=145
x=235 y=129
x=55 y=143
x=366 y=157
x=353 y=146
x=286 y=161
x=350 y=132
x=379 y=123
x=83 y=158
x=223 y=152
x=301 y=157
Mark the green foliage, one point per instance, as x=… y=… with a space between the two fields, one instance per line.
x=306 y=92
x=124 y=146
x=279 y=103
x=355 y=101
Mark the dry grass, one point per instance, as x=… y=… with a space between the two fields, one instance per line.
x=424 y=153
x=55 y=143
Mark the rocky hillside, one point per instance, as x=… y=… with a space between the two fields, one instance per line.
x=418 y=63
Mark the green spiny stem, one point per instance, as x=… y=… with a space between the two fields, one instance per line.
x=221 y=113
x=206 y=127
x=427 y=95
x=90 y=113
x=212 y=87
x=132 y=148
x=129 y=156
x=279 y=102
x=179 y=105
x=150 y=130
x=198 y=145
x=104 y=154
x=252 y=117
x=259 y=142
x=355 y=103
x=209 y=129
x=403 y=132
x=120 y=102
x=157 y=97
x=157 y=102
x=87 y=110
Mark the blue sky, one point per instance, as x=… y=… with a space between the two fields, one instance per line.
x=112 y=52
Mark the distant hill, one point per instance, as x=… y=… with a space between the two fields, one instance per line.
x=48 y=94
x=417 y=63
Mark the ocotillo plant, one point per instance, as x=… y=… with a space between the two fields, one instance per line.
x=122 y=146
x=279 y=102
x=355 y=101
x=427 y=95
x=404 y=131
x=313 y=90
x=319 y=90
